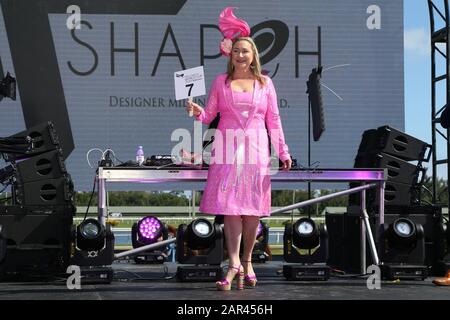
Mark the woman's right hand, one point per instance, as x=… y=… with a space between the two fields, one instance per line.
x=194 y=108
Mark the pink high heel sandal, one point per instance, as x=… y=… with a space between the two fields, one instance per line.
x=250 y=280
x=225 y=285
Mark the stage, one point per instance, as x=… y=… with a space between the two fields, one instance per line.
x=343 y=128
x=151 y=282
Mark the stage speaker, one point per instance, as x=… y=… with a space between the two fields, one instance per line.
x=48 y=165
x=389 y=148
x=398 y=170
x=394 y=142
x=316 y=102
x=37 y=238
x=44 y=192
x=395 y=194
x=335 y=227
x=344 y=239
x=44 y=138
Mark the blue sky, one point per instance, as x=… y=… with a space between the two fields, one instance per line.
x=418 y=76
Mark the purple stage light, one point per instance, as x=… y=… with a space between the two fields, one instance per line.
x=149 y=229
x=260 y=230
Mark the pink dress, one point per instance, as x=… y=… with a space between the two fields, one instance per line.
x=238 y=180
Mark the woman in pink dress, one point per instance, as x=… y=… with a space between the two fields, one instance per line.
x=238 y=184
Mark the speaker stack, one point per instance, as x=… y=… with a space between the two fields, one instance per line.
x=402 y=156
x=37 y=226
x=41 y=175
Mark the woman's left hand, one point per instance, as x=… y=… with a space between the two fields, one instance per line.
x=286 y=165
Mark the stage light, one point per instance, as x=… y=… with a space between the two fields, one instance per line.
x=200 y=243
x=200 y=234
x=90 y=235
x=306 y=234
x=94 y=254
x=403 y=250
x=306 y=243
x=259 y=231
x=147 y=231
x=402 y=233
x=8 y=87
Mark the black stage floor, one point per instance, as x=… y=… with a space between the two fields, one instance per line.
x=157 y=282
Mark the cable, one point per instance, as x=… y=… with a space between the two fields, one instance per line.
x=138 y=277
x=87 y=155
x=121 y=162
x=90 y=199
x=350 y=275
x=342 y=274
x=106 y=153
x=133 y=273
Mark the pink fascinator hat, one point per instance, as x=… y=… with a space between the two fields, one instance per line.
x=231 y=28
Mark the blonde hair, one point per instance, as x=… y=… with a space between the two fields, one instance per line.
x=255 y=67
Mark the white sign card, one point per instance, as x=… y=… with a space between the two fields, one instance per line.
x=189 y=83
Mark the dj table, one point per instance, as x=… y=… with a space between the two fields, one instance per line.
x=369 y=178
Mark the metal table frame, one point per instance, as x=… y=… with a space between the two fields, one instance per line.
x=369 y=178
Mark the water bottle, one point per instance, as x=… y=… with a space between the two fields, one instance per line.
x=140 y=158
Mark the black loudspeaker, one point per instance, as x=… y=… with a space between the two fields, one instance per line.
x=44 y=138
x=315 y=98
x=48 y=165
x=351 y=250
x=44 y=192
x=335 y=227
x=389 y=148
x=344 y=239
x=38 y=238
x=395 y=194
x=398 y=170
x=394 y=142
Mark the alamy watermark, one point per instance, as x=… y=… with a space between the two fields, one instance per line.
x=74 y=280
x=374 y=280
x=74 y=20
x=230 y=146
x=374 y=20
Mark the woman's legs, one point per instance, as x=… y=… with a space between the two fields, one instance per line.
x=249 y=230
x=233 y=234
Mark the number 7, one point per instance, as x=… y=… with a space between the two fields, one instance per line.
x=191 y=85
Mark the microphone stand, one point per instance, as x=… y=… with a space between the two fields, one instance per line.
x=309 y=153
